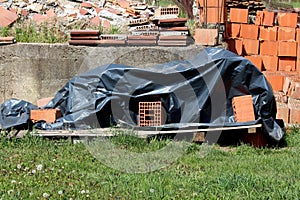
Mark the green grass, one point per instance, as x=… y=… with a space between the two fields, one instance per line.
x=29 y=32
x=294 y=3
x=33 y=167
x=164 y=3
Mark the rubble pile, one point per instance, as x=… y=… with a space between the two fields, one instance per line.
x=106 y=13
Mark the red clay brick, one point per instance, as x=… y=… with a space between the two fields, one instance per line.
x=270 y=63
x=233 y=30
x=268 y=33
x=38 y=19
x=98 y=10
x=287 y=19
x=298 y=35
x=243 y=108
x=43 y=102
x=24 y=13
x=298 y=65
x=211 y=3
x=86 y=5
x=286 y=84
x=235 y=45
x=206 y=36
x=250 y=46
x=294 y=83
x=48 y=115
x=283 y=112
x=275 y=80
x=268 y=18
x=50 y=13
x=296 y=91
x=294 y=116
x=7 y=17
x=13 y=10
x=83 y=11
x=286 y=34
x=259 y=18
x=150 y=113
x=239 y=15
x=214 y=15
x=95 y=21
x=257 y=139
x=287 y=64
x=249 y=31
x=106 y=24
x=287 y=48
x=294 y=106
x=269 y=48
x=280 y=97
x=256 y=60
x=123 y=3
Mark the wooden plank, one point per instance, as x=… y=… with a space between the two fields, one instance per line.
x=105 y=132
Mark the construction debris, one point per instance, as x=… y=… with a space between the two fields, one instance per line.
x=86 y=14
x=7 y=40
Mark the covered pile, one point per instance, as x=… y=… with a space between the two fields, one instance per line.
x=198 y=90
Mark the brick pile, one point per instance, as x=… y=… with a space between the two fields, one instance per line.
x=94 y=38
x=84 y=14
x=272 y=44
x=212 y=11
x=251 y=5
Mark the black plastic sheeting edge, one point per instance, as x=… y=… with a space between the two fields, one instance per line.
x=196 y=90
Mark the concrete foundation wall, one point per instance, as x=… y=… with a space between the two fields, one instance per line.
x=34 y=71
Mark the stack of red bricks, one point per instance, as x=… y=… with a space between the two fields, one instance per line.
x=273 y=48
x=212 y=11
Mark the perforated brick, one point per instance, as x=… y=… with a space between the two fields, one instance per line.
x=150 y=113
x=243 y=108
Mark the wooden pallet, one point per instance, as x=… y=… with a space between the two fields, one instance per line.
x=199 y=135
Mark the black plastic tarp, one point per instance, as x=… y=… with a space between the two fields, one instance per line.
x=198 y=90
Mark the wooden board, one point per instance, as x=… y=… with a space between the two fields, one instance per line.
x=106 y=132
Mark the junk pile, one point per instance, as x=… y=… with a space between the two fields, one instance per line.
x=212 y=89
x=66 y=15
x=165 y=28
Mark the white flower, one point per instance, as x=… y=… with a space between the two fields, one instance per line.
x=82 y=191
x=10 y=191
x=151 y=190
x=45 y=195
x=87 y=195
x=13 y=181
x=26 y=168
x=60 y=192
x=19 y=166
x=87 y=191
x=30 y=193
x=33 y=171
x=39 y=167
